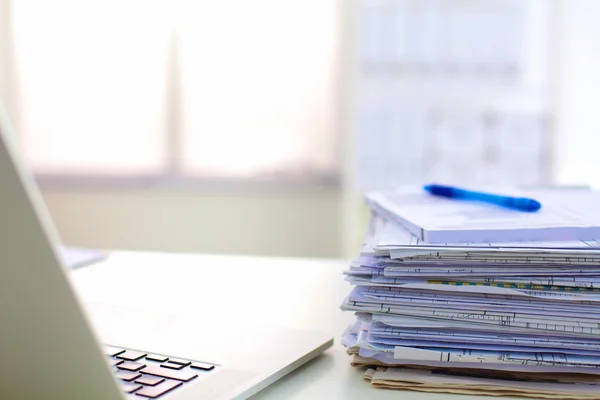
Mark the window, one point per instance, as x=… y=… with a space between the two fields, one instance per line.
x=209 y=89
x=457 y=91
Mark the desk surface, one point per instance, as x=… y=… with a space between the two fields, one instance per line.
x=312 y=291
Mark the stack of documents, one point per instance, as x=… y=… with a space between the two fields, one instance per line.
x=520 y=317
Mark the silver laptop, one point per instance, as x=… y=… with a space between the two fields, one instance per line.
x=49 y=348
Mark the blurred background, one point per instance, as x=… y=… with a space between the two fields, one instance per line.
x=254 y=127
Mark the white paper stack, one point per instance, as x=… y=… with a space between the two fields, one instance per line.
x=523 y=309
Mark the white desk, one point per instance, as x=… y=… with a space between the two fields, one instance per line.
x=311 y=297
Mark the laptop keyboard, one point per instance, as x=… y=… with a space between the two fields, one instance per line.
x=153 y=375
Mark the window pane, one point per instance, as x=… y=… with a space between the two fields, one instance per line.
x=91 y=79
x=258 y=81
x=453 y=91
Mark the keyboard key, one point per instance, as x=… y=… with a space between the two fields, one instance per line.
x=131 y=355
x=128 y=375
x=201 y=365
x=149 y=380
x=114 y=362
x=153 y=392
x=154 y=357
x=130 y=387
x=131 y=366
x=112 y=351
x=184 y=376
x=171 y=365
x=180 y=362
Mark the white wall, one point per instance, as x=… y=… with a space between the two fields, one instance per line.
x=274 y=222
x=577 y=143
x=309 y=223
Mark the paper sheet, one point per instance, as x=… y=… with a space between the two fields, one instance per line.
x=75 y=257
x=572 y=215
x=393 y=236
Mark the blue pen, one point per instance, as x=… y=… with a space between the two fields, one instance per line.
x=517 y=203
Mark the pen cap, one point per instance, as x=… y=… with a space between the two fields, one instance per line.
x=440 y=190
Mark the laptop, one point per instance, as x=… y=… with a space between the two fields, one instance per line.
x=51 y=348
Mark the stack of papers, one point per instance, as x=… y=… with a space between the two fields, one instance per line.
x=479 y=316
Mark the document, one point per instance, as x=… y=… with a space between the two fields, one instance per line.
x=573 y=282
x=572 y=215
x=371 y=357
x=389 y=235
x=530 y=321
x=395 y=323
x=477 y=382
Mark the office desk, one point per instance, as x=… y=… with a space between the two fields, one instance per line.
x=308 y=293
